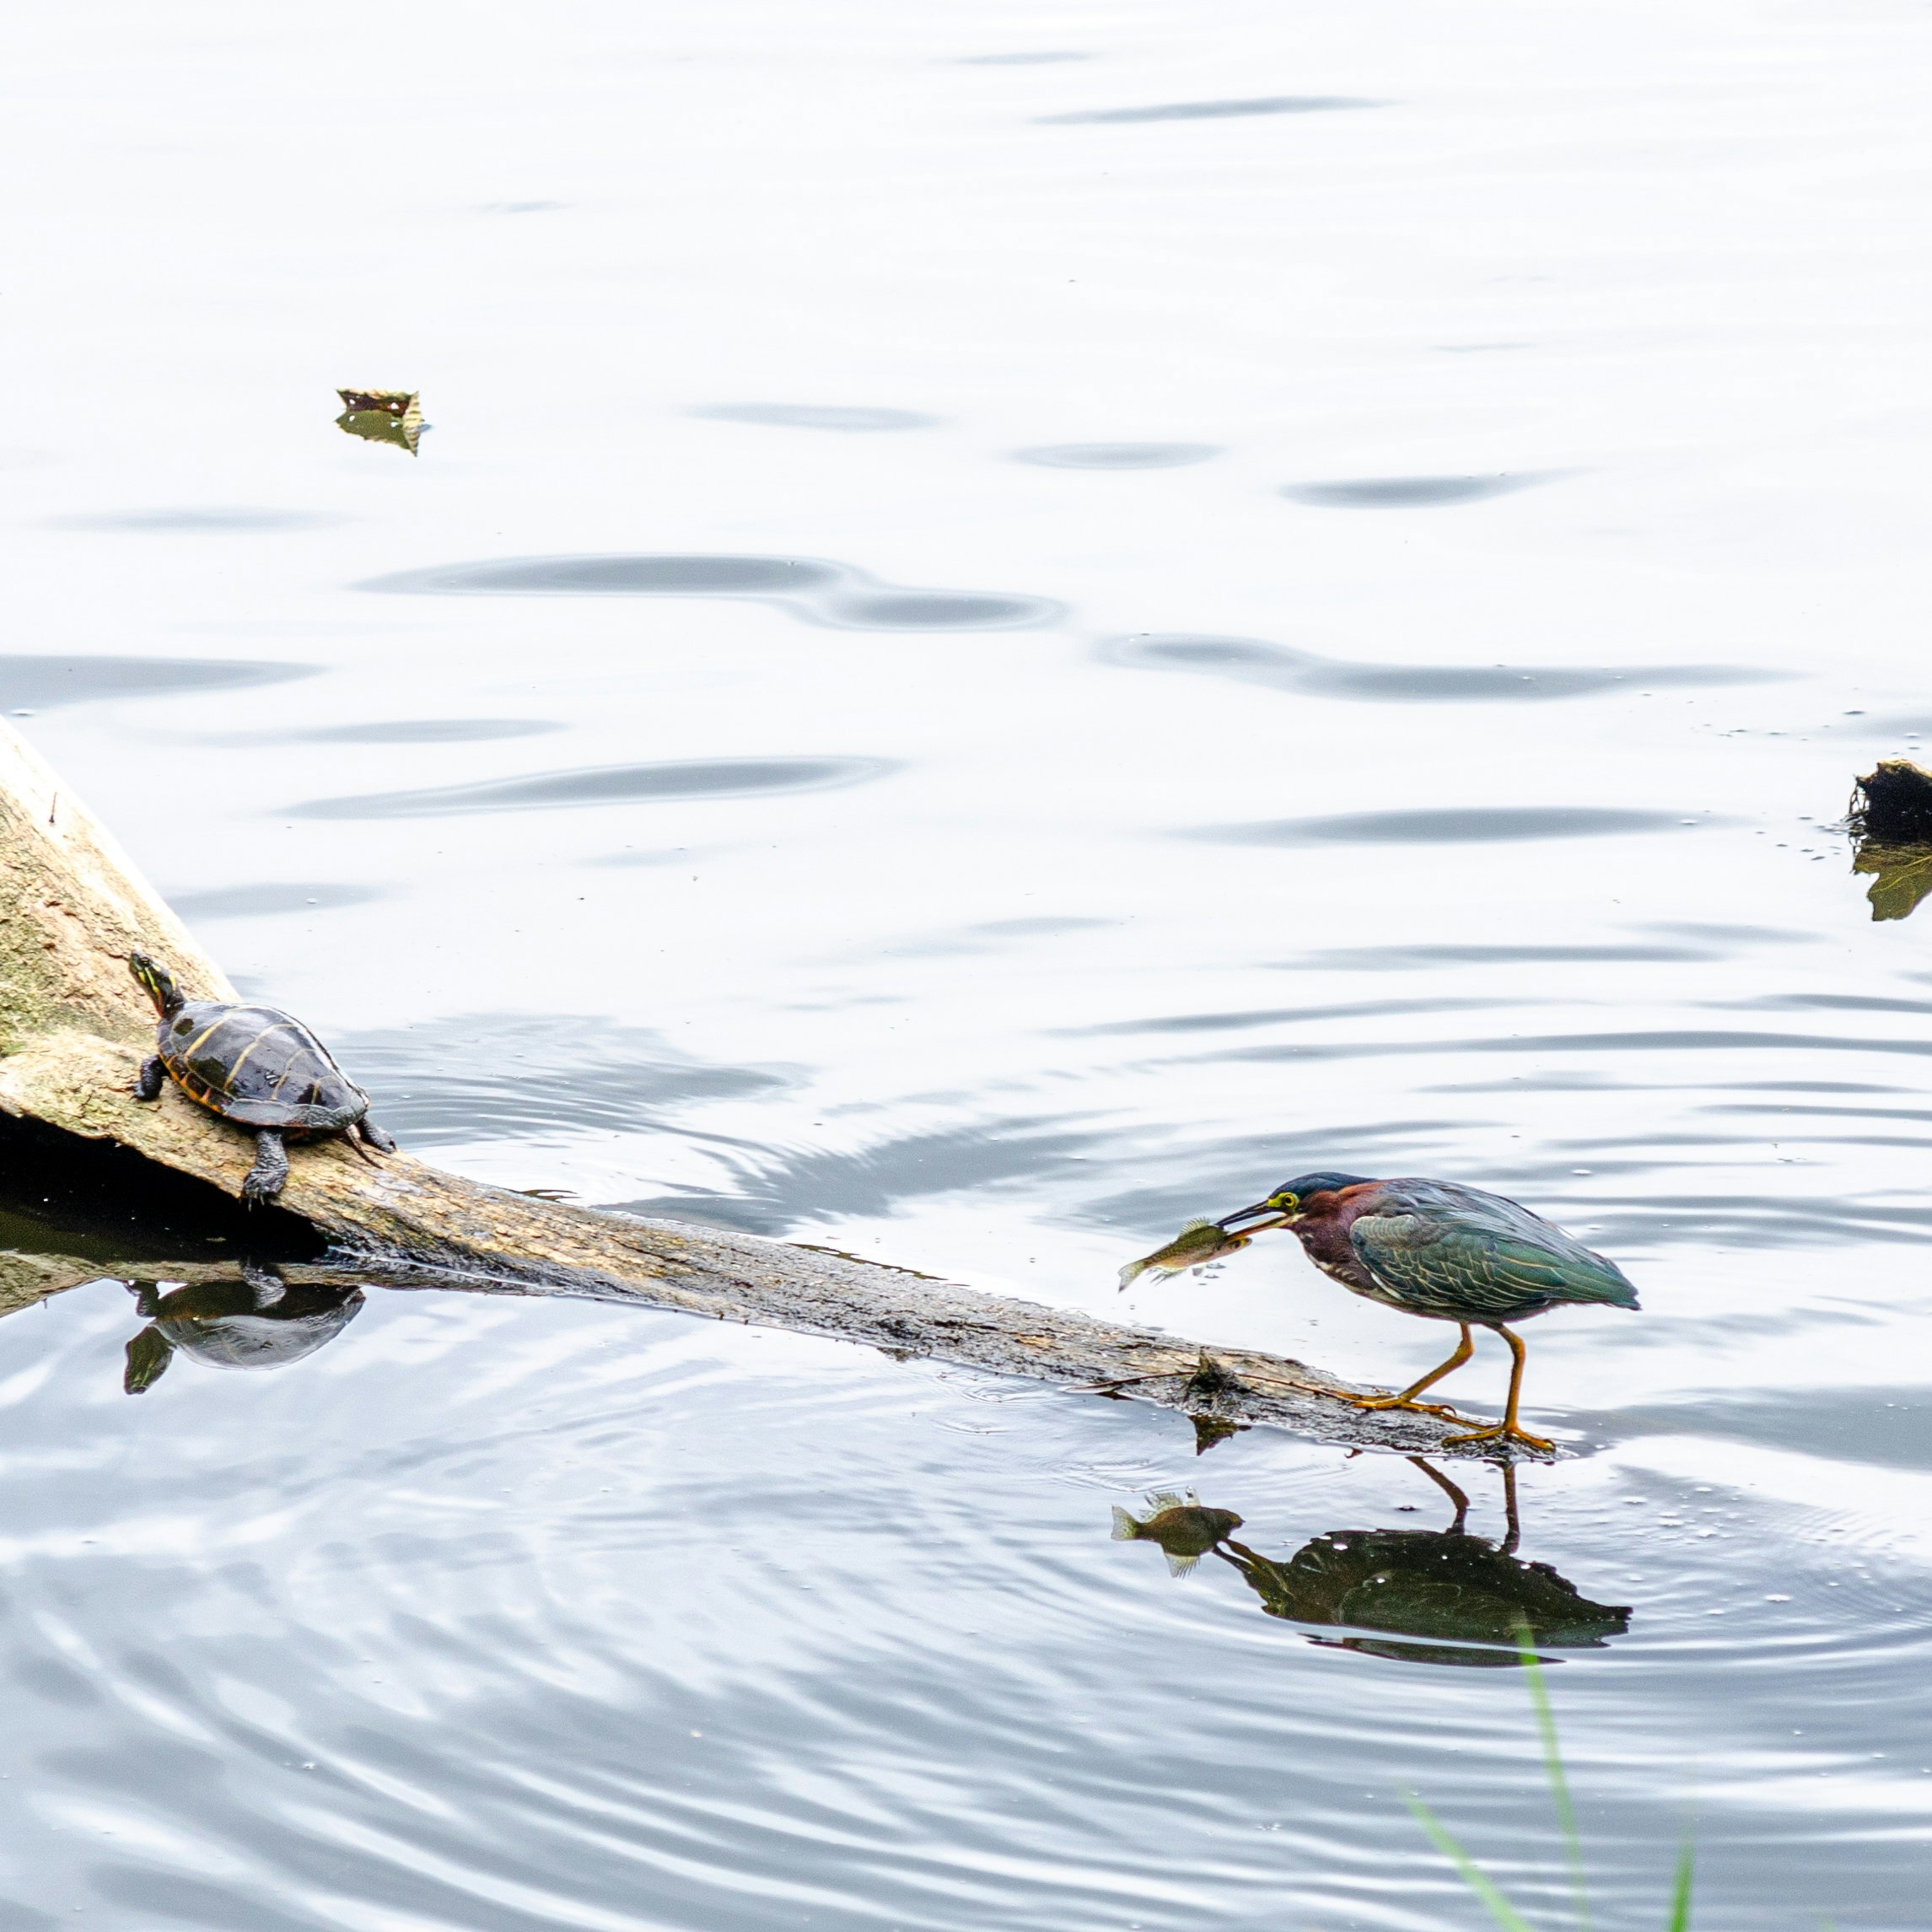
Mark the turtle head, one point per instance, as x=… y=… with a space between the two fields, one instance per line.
x=157 y=982
x=1289 y=1202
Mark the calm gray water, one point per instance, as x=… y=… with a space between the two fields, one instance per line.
x=1012 y=625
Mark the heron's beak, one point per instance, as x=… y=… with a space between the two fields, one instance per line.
x=1276 y=1219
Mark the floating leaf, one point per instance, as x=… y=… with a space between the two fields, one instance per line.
x=382 y=415
x=390 y=401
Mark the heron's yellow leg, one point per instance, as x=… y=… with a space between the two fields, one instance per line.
x=1407 y=1400
x=1507 y=1429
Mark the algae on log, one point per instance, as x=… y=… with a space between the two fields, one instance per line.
x=74 y=1027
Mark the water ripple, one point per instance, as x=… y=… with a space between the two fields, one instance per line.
x=1279 y=667
x=1453 y=825
x=1414 y=493
x=40 y=683
x=509 y=1076
x=606 y=785
x=1206 y=109
x=815 y=416
x=817 y=591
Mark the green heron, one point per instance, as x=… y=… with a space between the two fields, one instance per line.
x=1445 y=1252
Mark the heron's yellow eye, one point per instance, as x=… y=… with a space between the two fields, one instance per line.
x=1286 y=1203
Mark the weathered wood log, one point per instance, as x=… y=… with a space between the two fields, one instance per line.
x=74 y=1026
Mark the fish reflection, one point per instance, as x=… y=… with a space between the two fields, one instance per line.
x=1184 y=1530
x=1431 y=1597
x=255 y=1322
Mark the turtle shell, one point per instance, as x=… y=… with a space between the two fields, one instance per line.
x=221 y=1325
x=259 y=1067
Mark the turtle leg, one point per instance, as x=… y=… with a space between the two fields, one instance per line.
x=1509 y=1429
x=264 y=1181
x=266 y=1286
x=383 y=1143
x=150 y=1081
x=1407 y=1400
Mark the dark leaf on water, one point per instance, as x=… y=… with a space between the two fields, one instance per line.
x=390 y=401
x=382 y=415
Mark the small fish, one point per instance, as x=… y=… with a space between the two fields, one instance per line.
x=1185 y=1532
x=1197 y=1244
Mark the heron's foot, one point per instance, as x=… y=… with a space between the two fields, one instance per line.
x=1442 y=1409
x=1502 y=1432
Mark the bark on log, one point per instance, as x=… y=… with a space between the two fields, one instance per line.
x=74 y=1026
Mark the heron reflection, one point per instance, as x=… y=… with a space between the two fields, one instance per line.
x=256 y=1321
x=1426 y=1596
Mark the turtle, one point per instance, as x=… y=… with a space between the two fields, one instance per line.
x=255 y=1066
x=257 y=1322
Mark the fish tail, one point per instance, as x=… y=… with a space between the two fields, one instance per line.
x=1125 y=1528
x=1132 y=1274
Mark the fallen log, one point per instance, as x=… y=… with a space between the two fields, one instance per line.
x=74 y=1027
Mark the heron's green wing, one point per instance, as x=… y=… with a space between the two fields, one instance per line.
x=1456 y=1250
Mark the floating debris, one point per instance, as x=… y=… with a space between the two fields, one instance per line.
x=1891 y=820
x=1184 y=1530
x=382 y=415
x=390 y=401
x=1197 y=1244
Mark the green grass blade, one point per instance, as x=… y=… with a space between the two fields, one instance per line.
x=1552 y=1767
x=1472 y=1874
x=1681 y=1893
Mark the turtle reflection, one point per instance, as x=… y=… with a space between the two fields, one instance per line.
x=1437 y=1596
x=255 y=1322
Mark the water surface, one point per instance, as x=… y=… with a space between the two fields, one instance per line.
x=715 y=777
